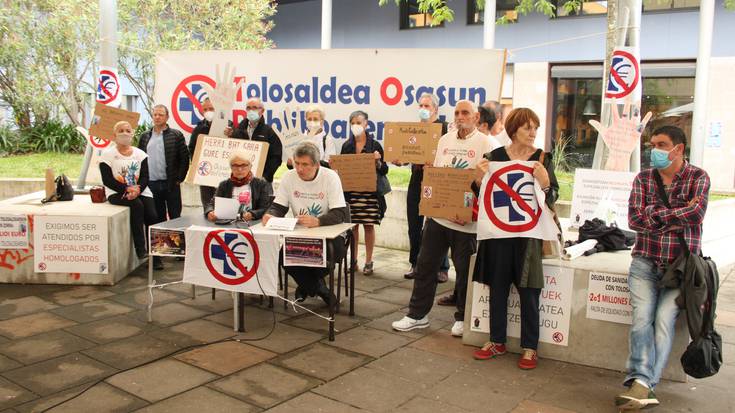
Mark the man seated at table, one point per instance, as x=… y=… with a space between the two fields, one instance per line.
x=253 y=193
x=314 y=195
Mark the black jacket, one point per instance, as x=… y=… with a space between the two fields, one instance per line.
x=202 y=128
x=371 y=145
x=176 y=152
x=263 y=133
x=261 y=192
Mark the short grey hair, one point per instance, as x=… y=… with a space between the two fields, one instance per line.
x=357 y=113
x=434 y=99
x=315 y=108
x=165 y=109
x=307 y=149
x=241 y=155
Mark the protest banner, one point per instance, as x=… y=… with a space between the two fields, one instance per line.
x=608 y=298
x=105 y=117
x=356 y=171
x=13 y=232
x=446 y=193
x=601 y=194
x=76 y=244
x=305 y=252
x=555 y=307
x=167 y=242
x=232 y=259
x=210 y=163
x=513 y=205
x=411 y=142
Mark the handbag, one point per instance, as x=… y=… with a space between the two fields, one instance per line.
x=703 y=356
x=551 y=249
x=97 y=194
x=64 y=190
x=383 y=186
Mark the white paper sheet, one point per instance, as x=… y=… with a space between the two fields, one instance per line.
x=281 y=224
x=576 y=251
x=226 y=208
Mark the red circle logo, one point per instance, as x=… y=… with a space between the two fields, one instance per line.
x=558 y=337
x=233 y=253
x=185 y=94
x=488 y=202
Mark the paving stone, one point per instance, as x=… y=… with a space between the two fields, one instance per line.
x=204 y=302
x=417 y=366
x=92 y=310
x=12 y=395
x=370 y=389
x=264 y=385
x=255 y=318
x=198 y=400
x=395 y=295
x=226 y=358
x=283 y=339
x=384 y=324
x=169 y=314
x=322 y=361
x=44 y=346
x=530 y=406
x=369 y=341
x=11 y=291
x=111 y=329
x=442 y=342
x=140 y=298
x=311 y=322
x=423 y=404
x=160 y=380
x=193 y=332
x=134 y=281
x=57 y=374
x=131 y=352
x=101 y=397
x=45 y=403
x=310 y=402
x=7 y=363
x=29 y=325
x=79 y=294
x=371 y=309
x=371 y=284
x=15 y=307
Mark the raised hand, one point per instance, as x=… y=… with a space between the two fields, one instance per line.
x=622 y=137
x=222 y=98
x=289 y=134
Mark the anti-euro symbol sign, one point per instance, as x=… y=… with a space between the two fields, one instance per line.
x=524 y=189
x=238 y=249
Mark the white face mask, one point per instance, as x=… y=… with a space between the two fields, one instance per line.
x=313 y=125
x=209 y=115
x=357 y=129
x=124 y=139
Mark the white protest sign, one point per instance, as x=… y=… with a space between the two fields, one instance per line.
x=210 y=163
x=75 y=244
x=608 y=298
x=13 y=232
x=601 y=194
x=555 y=307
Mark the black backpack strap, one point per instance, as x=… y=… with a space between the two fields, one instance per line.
x=665 y=199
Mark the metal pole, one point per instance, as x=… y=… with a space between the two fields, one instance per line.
x=488 y=26
x=701 y=82
x=107 y=57
x=326 y=24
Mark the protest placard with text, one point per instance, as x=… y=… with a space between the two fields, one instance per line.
x=105 y=117
x=412 y=142
x=446 y=193
x=210 y=163
x=357 y=172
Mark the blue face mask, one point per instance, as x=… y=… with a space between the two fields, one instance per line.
x=253 y=115
x=660 y=158
x=424 y=114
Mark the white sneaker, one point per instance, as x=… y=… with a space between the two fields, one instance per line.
x=407 y=323
x=458 y=328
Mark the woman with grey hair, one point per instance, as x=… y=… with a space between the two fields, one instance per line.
x=366 y=208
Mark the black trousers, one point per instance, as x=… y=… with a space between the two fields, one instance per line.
x=167 y=200
x=416 y=221
x=436 y=242
x=142 y=213
x=308 y=278
x=499 y=312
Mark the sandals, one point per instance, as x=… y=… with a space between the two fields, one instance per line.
x=368 y=269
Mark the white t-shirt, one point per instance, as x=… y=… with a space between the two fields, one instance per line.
x=125 y=169
x=452 y=152
x=315 y=197
x=326 y=149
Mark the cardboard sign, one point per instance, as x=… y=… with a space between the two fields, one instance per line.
x=290 y=139
x=601 y=194
x=70 y=244
x=49 y=184
x=357 y=172
x=105 y=117
x=446 y=193
x=210 y=164
x=608 y=298
x=412 y=142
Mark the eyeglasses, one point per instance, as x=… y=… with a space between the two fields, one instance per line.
x=239 y=165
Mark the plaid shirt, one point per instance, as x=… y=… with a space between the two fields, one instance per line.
x=657 y=226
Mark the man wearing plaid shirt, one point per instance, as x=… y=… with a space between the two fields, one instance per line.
x=657 y=245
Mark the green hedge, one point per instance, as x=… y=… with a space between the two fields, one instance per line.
x=52 y=136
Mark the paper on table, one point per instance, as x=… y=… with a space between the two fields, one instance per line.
x=281 y=224
x=576 y=251
x=225 y=208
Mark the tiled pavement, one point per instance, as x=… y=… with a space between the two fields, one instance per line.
x=56 y=341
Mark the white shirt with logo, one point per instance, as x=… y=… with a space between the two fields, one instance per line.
x=453 y=152
x=125 y=169
x=315 y=197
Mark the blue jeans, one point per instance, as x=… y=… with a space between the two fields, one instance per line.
x=654 y=319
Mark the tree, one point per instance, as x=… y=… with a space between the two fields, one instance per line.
x=152 y=26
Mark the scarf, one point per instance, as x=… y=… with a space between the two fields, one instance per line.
x=241 y=181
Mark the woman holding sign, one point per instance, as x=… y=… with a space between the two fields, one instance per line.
x=505 y=261
x=366 y=208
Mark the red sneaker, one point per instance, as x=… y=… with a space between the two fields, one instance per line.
x=489 y=350
x=529 y=360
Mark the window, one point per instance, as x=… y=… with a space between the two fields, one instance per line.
x=503 y=8
x=657 y=5
x=413 y=18
x=589 y=7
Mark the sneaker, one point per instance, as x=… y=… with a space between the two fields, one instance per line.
x=458 y=328
x=529 y=359
x=638 y=396
x=300 y=295
x=411 y=274
x=157 y=263
x=489 y=350
x=442 y=277
x=368 y=269
x=407 y=323
x=449 y=300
